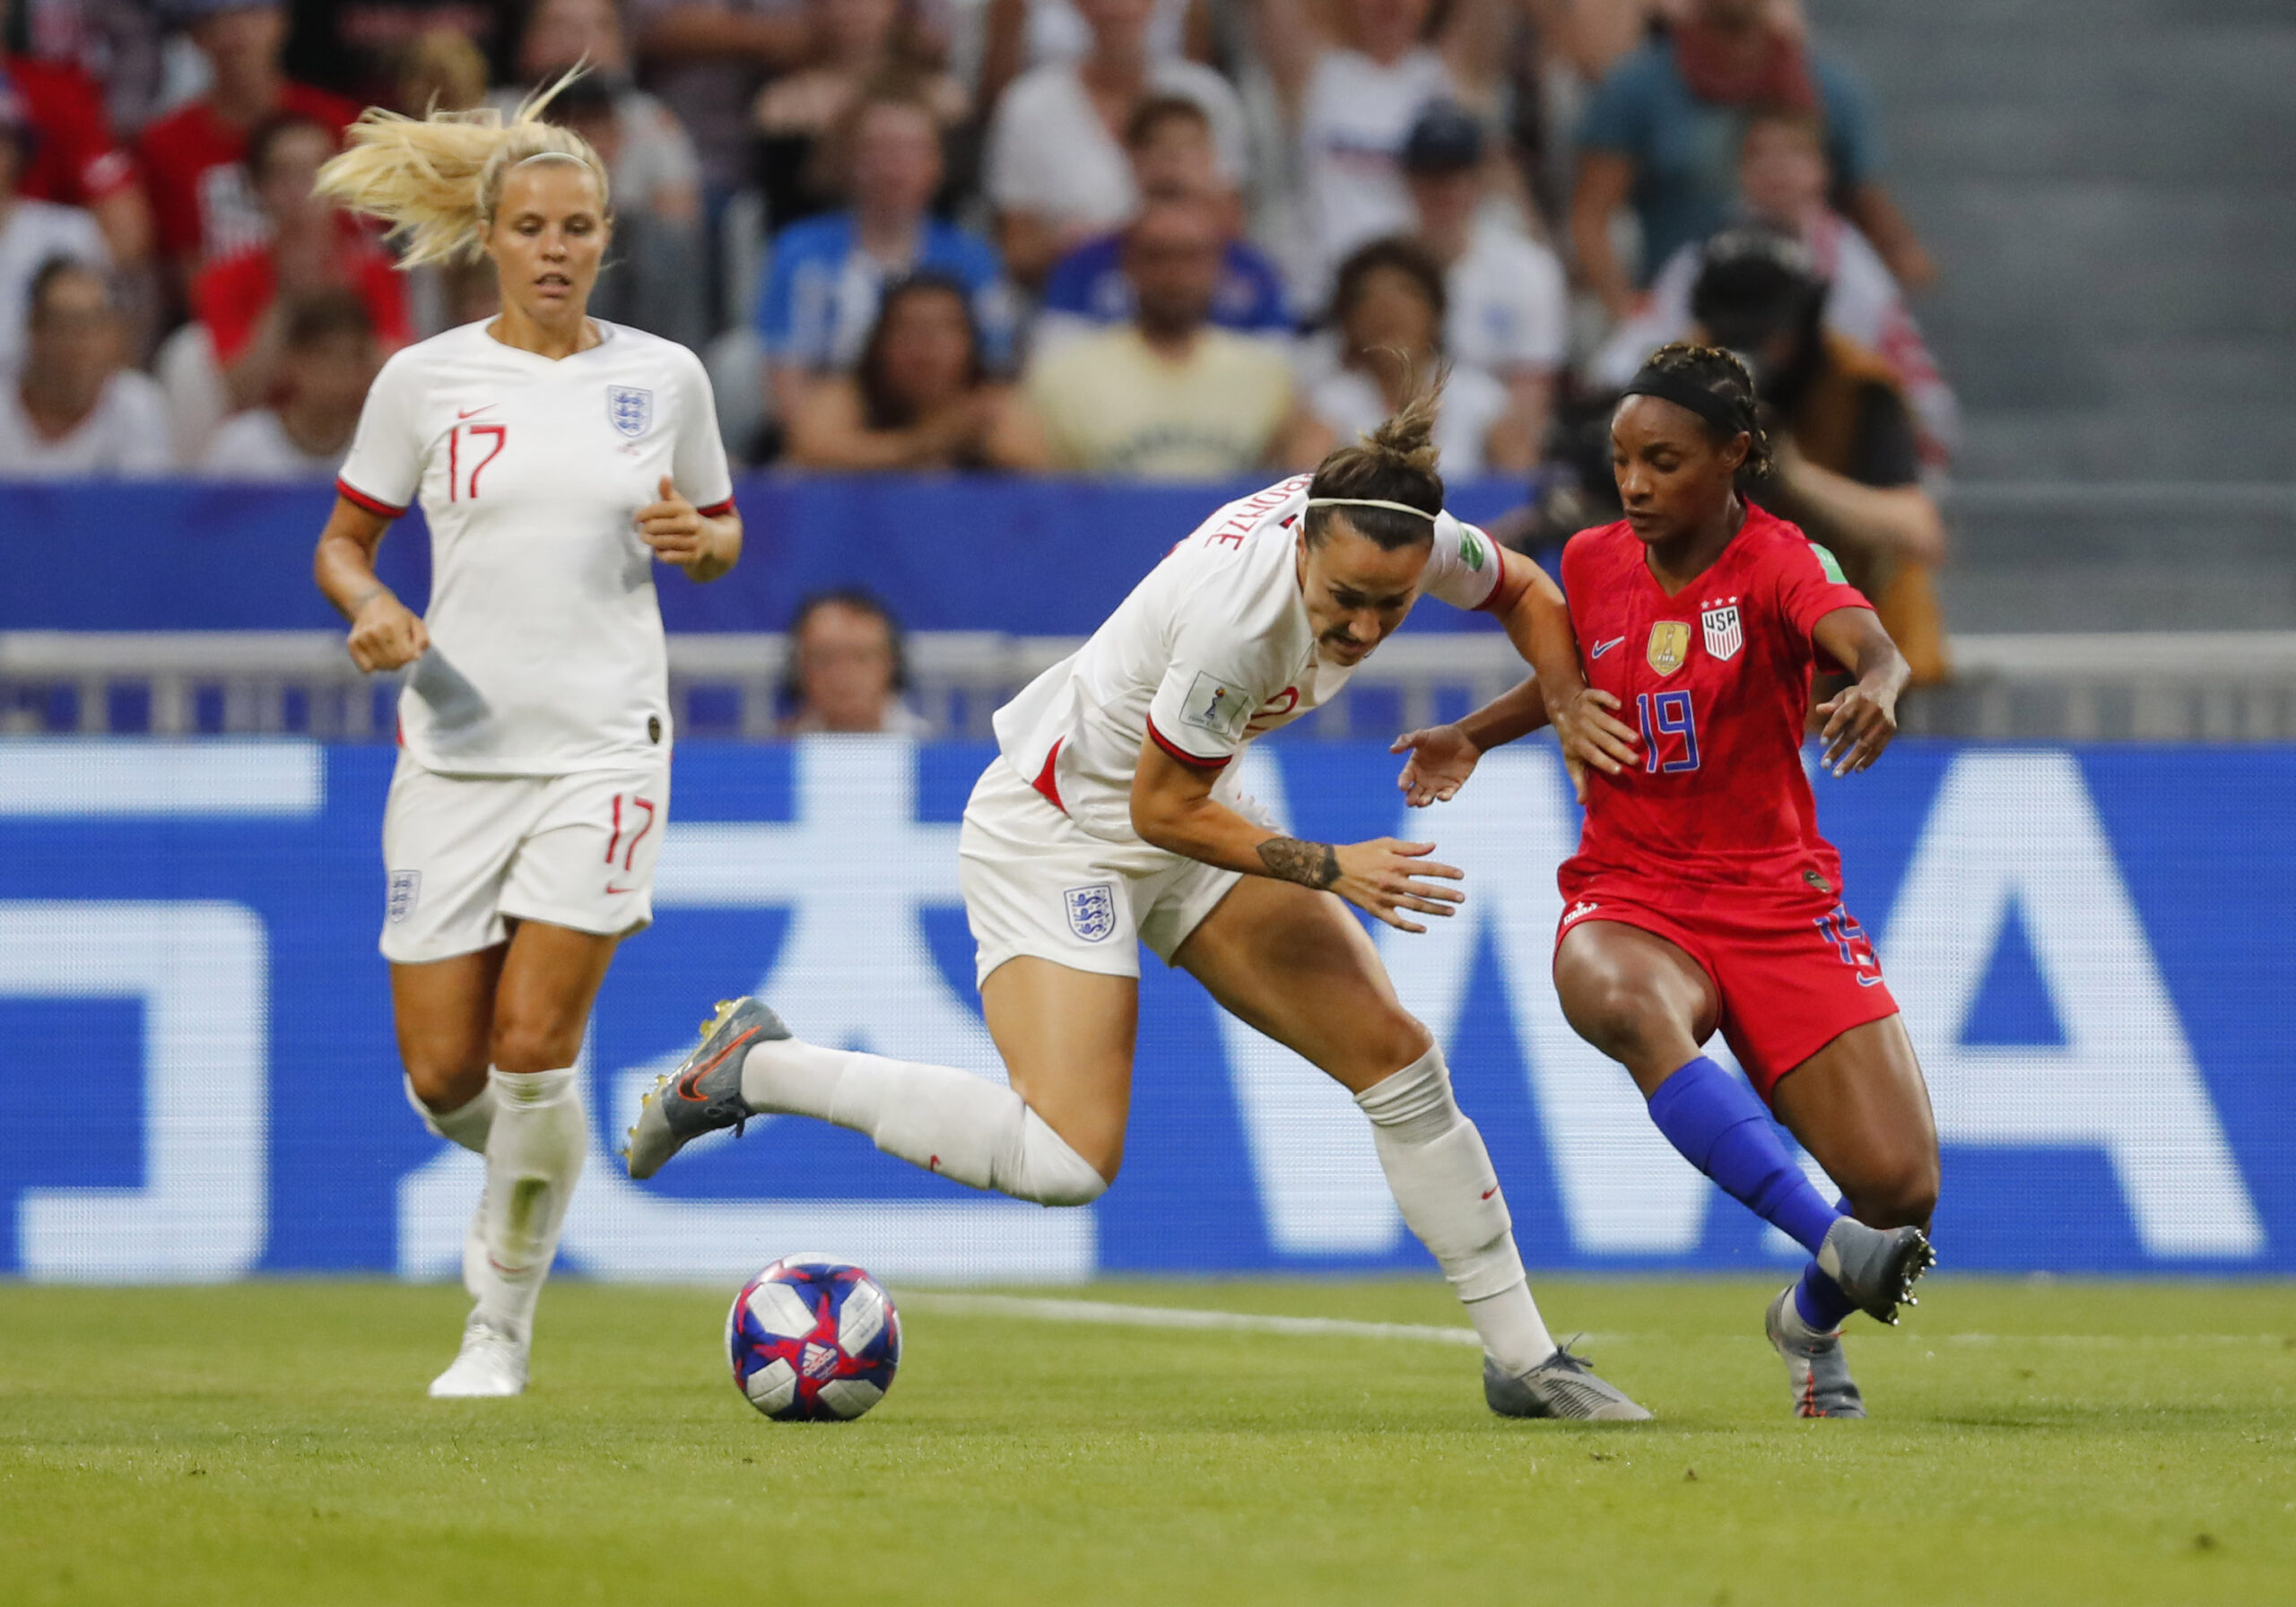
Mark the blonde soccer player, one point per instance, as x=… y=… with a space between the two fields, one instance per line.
x=557 y=458
x=1113 y=818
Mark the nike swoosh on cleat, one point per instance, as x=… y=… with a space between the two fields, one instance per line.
x=1600 y=648
x=686 y=1083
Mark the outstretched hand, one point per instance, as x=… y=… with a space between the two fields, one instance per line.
x=1860 y=721
x=1442 y=758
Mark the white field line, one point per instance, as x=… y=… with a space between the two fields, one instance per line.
x=1107 y=1313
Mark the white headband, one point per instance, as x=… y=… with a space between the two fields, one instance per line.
x=551 y=156
x=1371 y=502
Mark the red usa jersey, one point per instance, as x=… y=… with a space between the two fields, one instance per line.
x=1716 y=678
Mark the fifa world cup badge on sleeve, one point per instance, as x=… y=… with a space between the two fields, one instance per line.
x=1091 y=910
x=1669 y=645
x=1723 y=635
x=406 y=889
x=1215 y=708
x=630 y=408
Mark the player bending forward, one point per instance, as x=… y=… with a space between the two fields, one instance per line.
x=1701 y=896
x=533 y=781
x=1113 y=818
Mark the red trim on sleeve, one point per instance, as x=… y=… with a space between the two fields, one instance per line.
x=1182 y=754
x=1513 y=579
x=357 y=497
x=716 y=510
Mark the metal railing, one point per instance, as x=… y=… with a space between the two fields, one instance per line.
x=2217 y=687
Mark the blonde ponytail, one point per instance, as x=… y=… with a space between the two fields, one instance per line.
x=436 y=180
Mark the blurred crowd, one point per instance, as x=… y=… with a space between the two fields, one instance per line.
x=1151 y=238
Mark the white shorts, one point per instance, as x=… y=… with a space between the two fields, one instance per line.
x=467 y=853
x=1037 y=884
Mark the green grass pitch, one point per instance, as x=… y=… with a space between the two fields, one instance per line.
x=271 y=1443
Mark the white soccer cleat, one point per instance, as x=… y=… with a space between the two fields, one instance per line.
x=490 y=1364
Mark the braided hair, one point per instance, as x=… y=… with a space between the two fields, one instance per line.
x=1725 y=375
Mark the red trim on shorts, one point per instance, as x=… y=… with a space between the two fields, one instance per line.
x=373 y=505
x=716 y=510
x=1182 y=754
x=1046 y=783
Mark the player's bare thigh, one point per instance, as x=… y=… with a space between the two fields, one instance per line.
x=1066 y=1037
x=1860 y=1108
x=520 y=1005
x=1637 y=997
x=1295 y=964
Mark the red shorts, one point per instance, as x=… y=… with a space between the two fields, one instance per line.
x=1793 y=973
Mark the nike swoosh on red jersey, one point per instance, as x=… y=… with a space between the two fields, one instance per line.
x=1867 y=981
x=1600 y=648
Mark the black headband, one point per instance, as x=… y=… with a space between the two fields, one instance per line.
x=1719 y=411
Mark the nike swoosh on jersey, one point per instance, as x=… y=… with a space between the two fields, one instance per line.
x=1600 y=648
x=1867 y=981
x=482 y=407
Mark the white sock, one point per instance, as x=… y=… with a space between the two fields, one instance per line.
x=935 y=1117
x=1440 y=1175
x=466 y=1125
x=534 y=1155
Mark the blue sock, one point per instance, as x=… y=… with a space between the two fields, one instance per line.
x=1719 y=1125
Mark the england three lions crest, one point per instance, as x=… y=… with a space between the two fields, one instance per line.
x=1091 y=910
x=630 y=409
x=1725 y=634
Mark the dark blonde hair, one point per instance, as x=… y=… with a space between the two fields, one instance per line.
x=1396 y=463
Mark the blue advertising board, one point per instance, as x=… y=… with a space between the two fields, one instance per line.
x=198 y=1079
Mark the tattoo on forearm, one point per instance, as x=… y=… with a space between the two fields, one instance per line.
x=1310 y=865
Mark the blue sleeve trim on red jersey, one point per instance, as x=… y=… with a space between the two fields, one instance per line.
x=1193 y=760
x=359 y=499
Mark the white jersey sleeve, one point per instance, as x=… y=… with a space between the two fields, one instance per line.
x=698 y=461
x=1206 y=698
x=1464 y=568
x=384 y=468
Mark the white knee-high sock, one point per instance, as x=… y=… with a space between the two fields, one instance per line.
x=534 y=1155
x=466 y=1125
x=1440 y=1175
x=945 y=1120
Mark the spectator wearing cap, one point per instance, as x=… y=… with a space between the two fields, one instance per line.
x=328 y=357
x=1352 y=77
x=1663 y=131
x=1390 y=305
x=75 y=411
x=1510 y=312
x=311 y=245
x=204 y=208
x=1055 y=170
x=818 y=298
x=857 y=43
x=1173 y=159
x=1845 y=455
x=920 y=398
x=656 y=169
x=1170 y=397
x=67 y=155
x=1783 y=182
x=33 y=233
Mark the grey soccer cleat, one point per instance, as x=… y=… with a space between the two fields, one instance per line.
x=1815 y=1370
x=1563 y=1386
x=1876 y=1267
x=704 y=1094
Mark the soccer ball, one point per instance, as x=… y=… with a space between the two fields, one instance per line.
x=812 y=1339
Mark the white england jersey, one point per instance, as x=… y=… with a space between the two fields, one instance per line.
x=1213 y=649
x=546 y=651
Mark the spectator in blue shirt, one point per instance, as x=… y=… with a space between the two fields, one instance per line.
x=1175 y=157
x=822 y=288
x=1663 y=132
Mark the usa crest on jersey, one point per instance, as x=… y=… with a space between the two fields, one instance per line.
x=630 y=408
x=1091 y=910
x=1725 y=634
